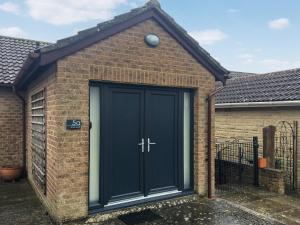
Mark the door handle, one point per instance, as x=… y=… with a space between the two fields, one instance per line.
x=142 y=144
x=150 y=143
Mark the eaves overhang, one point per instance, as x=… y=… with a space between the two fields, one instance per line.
x=257 y=104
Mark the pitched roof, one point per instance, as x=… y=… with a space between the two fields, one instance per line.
x=13 y=53
x=103 y=30
x=269 y=87
x=235 y=74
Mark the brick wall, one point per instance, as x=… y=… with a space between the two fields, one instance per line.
x=122 y=58
x=47 y=82
x=11 y=128
x=272 y=180
x=249 y=122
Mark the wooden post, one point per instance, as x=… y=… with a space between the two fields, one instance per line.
x=269 y=145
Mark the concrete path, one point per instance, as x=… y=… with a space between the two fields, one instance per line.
x=284 y=208
x=201 y=212
x=20 y=206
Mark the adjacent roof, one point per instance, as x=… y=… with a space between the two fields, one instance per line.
x=235 y=74
x=151 y=10
x=269 y=87
x=13 y=53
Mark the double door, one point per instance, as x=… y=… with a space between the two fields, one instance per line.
x=140 y=142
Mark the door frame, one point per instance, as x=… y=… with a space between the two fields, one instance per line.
x=102 y=85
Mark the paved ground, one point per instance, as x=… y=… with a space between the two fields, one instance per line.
x=18 y=206
x=202 y=212
x=284 y=208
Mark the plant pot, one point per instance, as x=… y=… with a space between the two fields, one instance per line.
x=262 y=163
x=10 y=173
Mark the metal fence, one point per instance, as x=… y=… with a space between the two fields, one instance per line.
x=236 y=164
x=286 y=153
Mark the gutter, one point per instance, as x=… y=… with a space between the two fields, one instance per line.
x=24 y=130
x=209 y=138
x=257 y=104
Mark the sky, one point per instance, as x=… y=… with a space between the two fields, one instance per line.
x=243 y=35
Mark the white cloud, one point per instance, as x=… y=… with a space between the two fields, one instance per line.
x=12 y=31
x=279 y=24
x=258 y=50
x=273 y=63
x=62 y=12
x=10 y=7
x=277 y=64
x=232 y=11
x=208 y=37
x=246 y=58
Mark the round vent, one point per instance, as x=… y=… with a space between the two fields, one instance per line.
x=152 y=40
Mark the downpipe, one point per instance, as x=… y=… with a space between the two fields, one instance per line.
x=24 y=173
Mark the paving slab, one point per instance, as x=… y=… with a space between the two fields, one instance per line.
x=283 y=208
x=200 y=212
x=20 y=206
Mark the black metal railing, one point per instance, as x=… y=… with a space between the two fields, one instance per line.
x=236 y=164
x=286 y=153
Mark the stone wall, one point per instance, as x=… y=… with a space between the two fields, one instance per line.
x=11 y=128
x=249 y=122
x=122 y=58
x=272 y=180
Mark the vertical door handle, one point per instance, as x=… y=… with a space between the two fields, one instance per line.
x=150 y=143
x=142 y=144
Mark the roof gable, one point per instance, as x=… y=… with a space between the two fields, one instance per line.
x=103 y=30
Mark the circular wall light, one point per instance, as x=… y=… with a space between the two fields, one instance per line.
x=152 y=40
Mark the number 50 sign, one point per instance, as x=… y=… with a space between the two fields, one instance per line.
x=73 y=124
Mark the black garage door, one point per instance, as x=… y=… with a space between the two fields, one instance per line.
x=141 y=142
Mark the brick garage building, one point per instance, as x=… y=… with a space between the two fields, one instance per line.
x=250 y=102
x=13 y=52
x=118 y=115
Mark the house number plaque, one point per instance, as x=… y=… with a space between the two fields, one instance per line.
x=73 y=124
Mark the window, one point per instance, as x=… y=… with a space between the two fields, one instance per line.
x=187 y=140
x=94 y=194
x=38 y=140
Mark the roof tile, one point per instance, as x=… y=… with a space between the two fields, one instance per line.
x=13 y=53
x=276 y=86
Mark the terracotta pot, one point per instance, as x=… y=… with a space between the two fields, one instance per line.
x=10 y=173
x=262 y=162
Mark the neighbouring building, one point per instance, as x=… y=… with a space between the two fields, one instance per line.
x=250 y=102
x=116 y=115
x=13 y=52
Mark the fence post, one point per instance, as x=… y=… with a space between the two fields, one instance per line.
x=269 y=145
x=255 y=161
x=220 y=167
x=240 y=164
